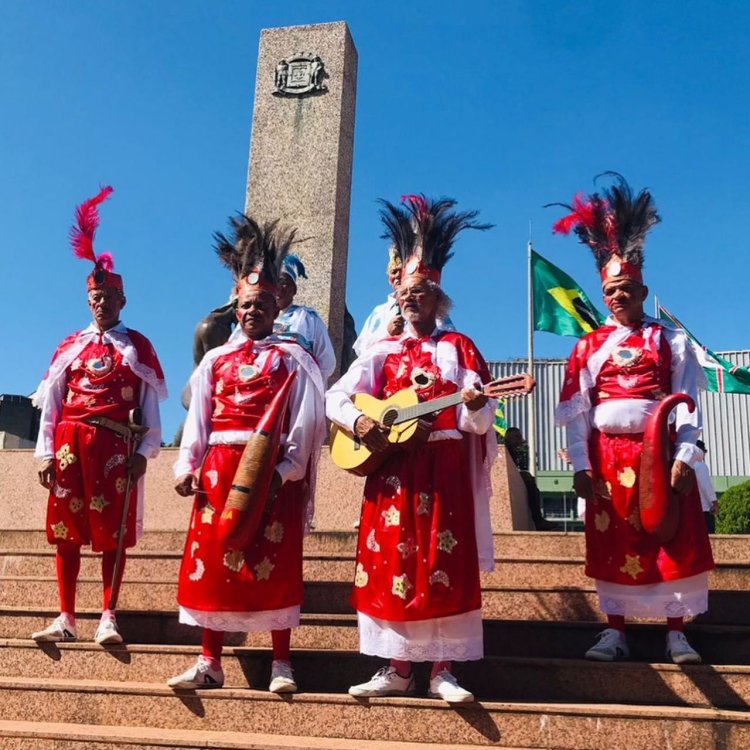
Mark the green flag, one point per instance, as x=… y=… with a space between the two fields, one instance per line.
x=500 y=424
x=722 y=376
x=560 y=305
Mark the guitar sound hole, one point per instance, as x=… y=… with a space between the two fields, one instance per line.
x=389 y=417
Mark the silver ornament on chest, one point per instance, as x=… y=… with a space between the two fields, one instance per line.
x=627 y=356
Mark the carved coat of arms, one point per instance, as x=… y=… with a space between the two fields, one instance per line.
x=302 y=74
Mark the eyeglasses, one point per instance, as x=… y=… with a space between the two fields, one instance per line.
x=414 y=291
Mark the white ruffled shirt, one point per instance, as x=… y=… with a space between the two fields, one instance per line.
x=306 y=423
x=626 y=416
x=50 y=394
x=366 y=376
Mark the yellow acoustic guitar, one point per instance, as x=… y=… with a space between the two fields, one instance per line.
x=402 y=414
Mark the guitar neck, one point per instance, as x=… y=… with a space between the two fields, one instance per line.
x=428 y=407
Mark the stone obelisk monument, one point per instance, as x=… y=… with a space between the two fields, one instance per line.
x=301 y=153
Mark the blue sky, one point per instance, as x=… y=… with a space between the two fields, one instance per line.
x=505 y=106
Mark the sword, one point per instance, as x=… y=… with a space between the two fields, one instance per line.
x=137 y=430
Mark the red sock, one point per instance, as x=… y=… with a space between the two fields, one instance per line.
x=68 y=563
x=675 y=623
x=439 y=666
x=213 y=643
x=281 y=640
x=403 y=668
x=108 y=568
x=617 y=622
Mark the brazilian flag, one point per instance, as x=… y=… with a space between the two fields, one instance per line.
x=500 y=424
x=560 y=305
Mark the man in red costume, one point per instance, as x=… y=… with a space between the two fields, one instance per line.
x=258 y=588
x=96 y=378
x=614 y=381
x=424 y=531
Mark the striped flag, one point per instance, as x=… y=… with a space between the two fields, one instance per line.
x=500 y=424
x=722 y=375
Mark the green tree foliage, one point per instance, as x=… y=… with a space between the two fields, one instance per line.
x=734 y=515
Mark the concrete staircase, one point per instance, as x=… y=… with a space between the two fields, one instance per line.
x=534 y=690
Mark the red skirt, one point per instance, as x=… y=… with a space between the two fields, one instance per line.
x=617 y=548
x=417 y=550
x=86 y=502
x=267 y=574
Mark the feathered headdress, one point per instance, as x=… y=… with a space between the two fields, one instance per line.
x=294 y=268
x=614 y=224
x=254 y=254
x=423 y=230
x=82 y=241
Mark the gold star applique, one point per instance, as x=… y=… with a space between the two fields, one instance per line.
x=120 y=484
x=219 y=387
x=360 y=576
x=126 y=393
x=632 y=566
x=626 y=477
x=401 y=586
x=446 y=541
x=274 y=532
x=98 y=503
x=234 y=560
x=60 y=530
x=392 y=516
x=601 y=521
x=75 y=504
x=263 y=569
x=207 y=514
x=65 y=457
x=425 y=504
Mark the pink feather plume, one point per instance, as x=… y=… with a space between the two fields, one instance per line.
x=583 y=213
x=106 y=261
x=87 y=220
x=418 y=203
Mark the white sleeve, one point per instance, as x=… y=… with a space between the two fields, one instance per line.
x=305 y=413
x=578 y=431
x=478 y=421
x=705 y=485
x=323 y=348
x=364 y=376
x=51 y=410
x=151 y=441
x=375 y=328
x=197 y=428
x=687 y=377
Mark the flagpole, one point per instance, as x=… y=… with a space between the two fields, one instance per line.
x=656 y=306
x=531 y=397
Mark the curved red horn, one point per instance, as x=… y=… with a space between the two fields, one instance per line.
x=659 y=504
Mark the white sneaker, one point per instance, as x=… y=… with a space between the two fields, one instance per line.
x=107 y=633
x=610 y=645
x=444 y=685
x=679 y=650
x=282 y=677
x=385 y=681
x=61 y=629
x=200 y=675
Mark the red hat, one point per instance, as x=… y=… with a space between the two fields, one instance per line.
x=82 y=240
